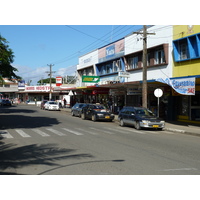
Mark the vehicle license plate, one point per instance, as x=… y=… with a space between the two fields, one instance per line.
x=107 y=117
x=155 y=126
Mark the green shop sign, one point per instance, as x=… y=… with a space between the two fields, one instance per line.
x=91 y=79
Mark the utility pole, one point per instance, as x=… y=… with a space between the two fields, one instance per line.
x=144 y=70
x=144 y=61
x=50 y=74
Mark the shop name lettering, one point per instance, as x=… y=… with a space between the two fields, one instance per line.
x=38 y=88
x=110 y=51
x=87 y=60
x=90 y=79
x=184 y=86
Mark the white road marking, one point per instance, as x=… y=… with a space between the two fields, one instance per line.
x=71 y=131
x=43 y=134
x=55 y=131
x=6 y=134
x=180 y=169
x=100 y=130
x=22 y=133
x=86 y=131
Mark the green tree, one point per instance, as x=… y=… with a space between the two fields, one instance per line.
x=6 y=59
x=47 y=80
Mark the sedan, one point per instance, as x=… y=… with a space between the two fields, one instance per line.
x=6 y=102
x=139 y=118
x=51 y=105
x=97 y=112
x=77 y=109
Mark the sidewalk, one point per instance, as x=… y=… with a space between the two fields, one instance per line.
x=175 y=126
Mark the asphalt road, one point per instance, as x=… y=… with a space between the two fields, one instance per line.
x=34 y=141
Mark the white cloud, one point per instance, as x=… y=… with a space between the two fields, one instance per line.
x=34 y=75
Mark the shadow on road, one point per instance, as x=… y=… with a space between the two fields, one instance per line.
x=20 y=121
x=16 y=117
x=16 y=157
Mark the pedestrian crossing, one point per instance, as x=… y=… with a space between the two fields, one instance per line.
x=48 y=132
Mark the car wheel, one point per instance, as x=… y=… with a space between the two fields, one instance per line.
x=94 y=118
x=83 y=116
x=137 y=126
x=121 y=122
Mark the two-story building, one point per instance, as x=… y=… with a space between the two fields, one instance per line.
x=186 y=67
x=119 y=66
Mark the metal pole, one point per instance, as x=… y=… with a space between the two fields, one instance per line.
x=144 y=80
x=158 y=107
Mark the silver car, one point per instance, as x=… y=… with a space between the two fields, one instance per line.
x=139 y=118
x=51 y=105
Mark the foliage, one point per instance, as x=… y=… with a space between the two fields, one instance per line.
x=6 y=58
x=47 y=80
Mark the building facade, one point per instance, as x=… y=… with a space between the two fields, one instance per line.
x=186 y=65
x=119 y=66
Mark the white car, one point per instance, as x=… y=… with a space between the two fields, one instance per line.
x=51 y=105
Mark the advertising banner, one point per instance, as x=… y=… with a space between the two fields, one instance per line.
x=21 y=84
x=90 y=79
x=115 y=50
x=184 y=86
x=58 y=81
x=37 y=88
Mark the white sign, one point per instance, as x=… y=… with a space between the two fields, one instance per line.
x=185 y=86
x=124 y=74
x=37 y=88
x=158 y=92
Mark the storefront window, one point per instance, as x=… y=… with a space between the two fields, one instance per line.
x=184 y=106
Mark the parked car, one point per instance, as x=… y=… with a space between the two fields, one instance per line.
x=97 y=112
x=139 y=118
x=77 y=109
x=51 y=105
x=6 y=102
x=42 y=104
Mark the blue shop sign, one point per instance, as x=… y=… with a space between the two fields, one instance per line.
x=110 y=51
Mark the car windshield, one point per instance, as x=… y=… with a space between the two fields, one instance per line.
x=53 y=102
x=99 y=107
x=144 y=112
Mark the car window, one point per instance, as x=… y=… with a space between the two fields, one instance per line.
x=53 y=102
x=144 y=112
x=99 y=107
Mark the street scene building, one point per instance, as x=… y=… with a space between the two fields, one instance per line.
x=113 y=74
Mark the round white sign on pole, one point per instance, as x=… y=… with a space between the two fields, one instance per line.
x=158 y=92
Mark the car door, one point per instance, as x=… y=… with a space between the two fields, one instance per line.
x=124 y=115
x=88 y=112
x=131 y=117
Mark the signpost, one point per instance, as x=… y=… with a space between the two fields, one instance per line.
x=158 y=93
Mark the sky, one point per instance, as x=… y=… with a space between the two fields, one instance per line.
x=37 y=46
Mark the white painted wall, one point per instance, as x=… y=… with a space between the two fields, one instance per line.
x=88 y=60
x=134 y=43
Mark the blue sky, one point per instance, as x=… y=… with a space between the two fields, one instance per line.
x=36 y=46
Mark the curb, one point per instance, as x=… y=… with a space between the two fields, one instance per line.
x=165 y=129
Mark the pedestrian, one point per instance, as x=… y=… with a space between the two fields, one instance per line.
x=65 y=102
x=35 y=101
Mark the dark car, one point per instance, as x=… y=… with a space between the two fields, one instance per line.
x=97 y=112
x=42 y=104
x=6 y=102
x=139 y=118
x=77 y=109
